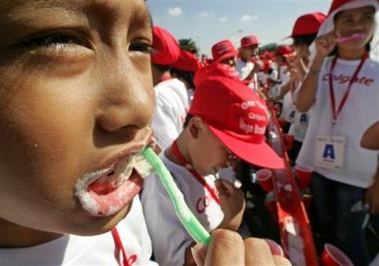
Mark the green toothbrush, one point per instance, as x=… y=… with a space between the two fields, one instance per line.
x=187 y=218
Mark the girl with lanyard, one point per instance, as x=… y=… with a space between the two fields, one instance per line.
x=226 y=121
x=343 y=91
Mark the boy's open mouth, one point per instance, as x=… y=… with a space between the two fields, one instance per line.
x=107 y=191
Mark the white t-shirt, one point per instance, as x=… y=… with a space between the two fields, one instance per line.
x=300 y=122
x=359 y=112
x=273 y=92
x=172 y=104
x=244 y=68
x=284 y=76
x=89 y=250
x=288 y=108
x=170 y=239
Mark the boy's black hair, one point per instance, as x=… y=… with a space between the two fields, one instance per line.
x=304 y=39
x=185 y=75
x=161 y=68
x=187 y=120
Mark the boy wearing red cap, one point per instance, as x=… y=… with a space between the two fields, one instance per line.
x=303 y=34
x=280 y=73
x=224 y=52
x=172 y=100
x=246 y=68
x=342 y=90
x=226 y=121
x=184 y=69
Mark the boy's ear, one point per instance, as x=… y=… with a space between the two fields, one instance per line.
x=195 y=126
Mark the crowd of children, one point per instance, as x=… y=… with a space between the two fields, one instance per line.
x=329 y=70
x=85 y=91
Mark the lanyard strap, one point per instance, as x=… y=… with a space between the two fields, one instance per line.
x=199 y=178
x=335 y=112
x=119 y=245
x=165 y=78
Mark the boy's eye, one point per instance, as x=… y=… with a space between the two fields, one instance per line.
x=53 y=40
x=369 y=17
x=141 y=47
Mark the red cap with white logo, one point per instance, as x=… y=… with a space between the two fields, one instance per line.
x=238 y=117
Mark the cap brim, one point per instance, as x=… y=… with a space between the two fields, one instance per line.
x=257 y=154
x=285 y=38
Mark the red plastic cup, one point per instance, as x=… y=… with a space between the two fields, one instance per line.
x=304 y=175
x=288 y=141
x=333 y=256
x=282 y=122
x=264 y=179
x=275 y=248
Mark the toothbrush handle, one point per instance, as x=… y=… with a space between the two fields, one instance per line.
x=187 y=218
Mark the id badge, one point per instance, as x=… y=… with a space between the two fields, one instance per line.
x=330 y=152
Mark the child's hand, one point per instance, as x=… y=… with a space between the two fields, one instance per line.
x=228 y=248
x=325 y=44
x=232 y=204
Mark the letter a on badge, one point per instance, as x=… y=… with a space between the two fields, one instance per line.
x=303 y=119
x=329 y=152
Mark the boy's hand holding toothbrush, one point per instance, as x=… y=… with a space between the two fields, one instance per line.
x=232 y=202
x=228 y=248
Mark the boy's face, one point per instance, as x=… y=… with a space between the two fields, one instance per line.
x=302 y=52
x=248 y=52
x=209 y=154
x=75 y=99
x=231 y=61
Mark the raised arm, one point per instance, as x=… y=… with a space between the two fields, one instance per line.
x=307 y=94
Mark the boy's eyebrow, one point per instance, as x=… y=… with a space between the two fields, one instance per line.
x=80 y=6
x=41 y=3
x=66 y=4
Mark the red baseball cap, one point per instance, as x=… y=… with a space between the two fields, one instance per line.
x=215 y=69
x=249 y=41
x=222 y=50
x=187 y=61
x=166 y=49
x=336 y=4
x=308 y=24
x=238 y=117
x=284 y=50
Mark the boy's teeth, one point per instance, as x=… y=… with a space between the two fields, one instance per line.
x=124 y=169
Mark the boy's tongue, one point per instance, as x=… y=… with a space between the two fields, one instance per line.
x=110 y=198
x=110 y=192
x=103 y=185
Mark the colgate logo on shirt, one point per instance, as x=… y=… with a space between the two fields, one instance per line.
x=202 y=203
x=341 y=79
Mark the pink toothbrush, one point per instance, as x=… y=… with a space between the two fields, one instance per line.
x=351 y=37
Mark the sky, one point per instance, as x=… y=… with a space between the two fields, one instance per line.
x=209 y=21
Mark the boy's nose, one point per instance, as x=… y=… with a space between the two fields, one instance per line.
x=127 y=94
